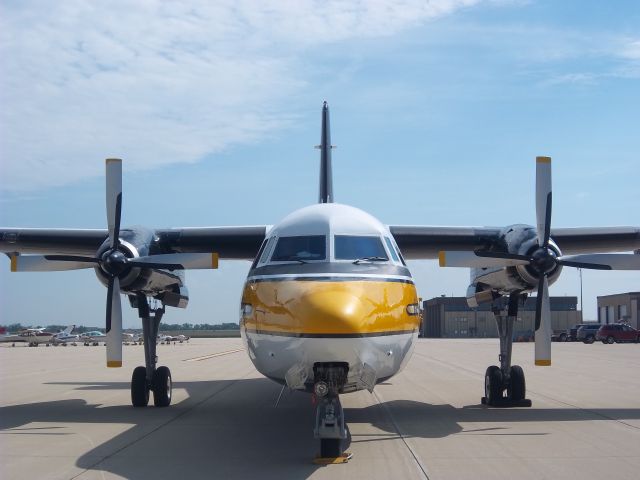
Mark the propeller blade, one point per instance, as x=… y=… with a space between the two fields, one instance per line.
x=114 y=199
x=480 y=259
x=177 y=261
x=50 y=263
x=510 y=256
x=539 y=299
x=543 y=200
x=602 y=261
x=114 y=324
x=543 y=324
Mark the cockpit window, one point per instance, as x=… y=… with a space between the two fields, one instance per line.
x=350 y=247
x=267 y=250
x=300 y=249
x=392 y=250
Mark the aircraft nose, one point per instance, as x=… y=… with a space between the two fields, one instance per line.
x=333 y=310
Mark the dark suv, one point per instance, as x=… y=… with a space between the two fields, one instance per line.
x=617 y=332
x=572 y=333
x=587 y=332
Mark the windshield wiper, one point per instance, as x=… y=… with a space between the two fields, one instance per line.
x=370 y=259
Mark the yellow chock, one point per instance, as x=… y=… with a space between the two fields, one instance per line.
x=343 y=458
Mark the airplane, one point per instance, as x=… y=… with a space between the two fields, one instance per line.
x=93 y=337
x=329 y=305
x=173 y=338
x=65 y=336
x=31 y=336
x=130 y=338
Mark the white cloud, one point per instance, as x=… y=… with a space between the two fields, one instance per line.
x=161 y=82
x=571 y=78
x=631 y=50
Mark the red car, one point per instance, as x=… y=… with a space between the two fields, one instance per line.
x=617 y=332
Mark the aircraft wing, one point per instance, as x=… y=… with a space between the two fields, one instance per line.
x=234 y=243
x=51 y=240
x=229 y=242
x=424 y=242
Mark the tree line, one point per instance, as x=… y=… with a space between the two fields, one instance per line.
x=169 y=327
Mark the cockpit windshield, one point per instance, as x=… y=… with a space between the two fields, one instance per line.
x=300 y=249
x=351 y=247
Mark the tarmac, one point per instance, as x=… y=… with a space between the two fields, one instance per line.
x=64 y=415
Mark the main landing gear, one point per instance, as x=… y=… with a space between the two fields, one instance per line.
x=329 y=378
x=504 y=386
x=149 y=378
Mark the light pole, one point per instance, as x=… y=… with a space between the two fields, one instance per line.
x=581 y=306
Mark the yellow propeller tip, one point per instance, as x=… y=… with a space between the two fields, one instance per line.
x=543 y=363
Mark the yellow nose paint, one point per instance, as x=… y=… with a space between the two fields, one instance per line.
x=330 y=307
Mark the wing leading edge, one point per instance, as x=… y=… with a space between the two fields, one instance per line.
x=232 y=243
x=424 y=242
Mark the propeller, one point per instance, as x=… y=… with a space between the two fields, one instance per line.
x=113 y=262
x=543 y=260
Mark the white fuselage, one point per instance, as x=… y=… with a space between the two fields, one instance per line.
x=329 y=286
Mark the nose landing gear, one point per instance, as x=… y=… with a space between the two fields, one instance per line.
x=329 y=378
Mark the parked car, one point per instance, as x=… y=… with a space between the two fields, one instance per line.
x=559 y=336
x=524 y=336
x=572 y=333
x=616 y=333
x=587 y=332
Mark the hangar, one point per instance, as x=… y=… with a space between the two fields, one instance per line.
x=621 y=307
x=451 y=317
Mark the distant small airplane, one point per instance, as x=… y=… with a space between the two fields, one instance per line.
x=180 y=338
x=32 y=336
x=65 y=336
x=94 y=337
x=130 y=337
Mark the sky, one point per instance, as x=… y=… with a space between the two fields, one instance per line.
x=438 y=110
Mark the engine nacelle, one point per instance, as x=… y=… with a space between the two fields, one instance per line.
x=167 y=286
x=487 y=284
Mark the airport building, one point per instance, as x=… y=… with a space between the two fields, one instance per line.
x=451 y=317
x=622 y=307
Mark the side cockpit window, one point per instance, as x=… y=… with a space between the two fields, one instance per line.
x=267 y=250
x=259 y=255
x=392 y=249
x=300 y=249
x=352 y=247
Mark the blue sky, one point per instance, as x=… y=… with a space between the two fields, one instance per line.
x=438 y=111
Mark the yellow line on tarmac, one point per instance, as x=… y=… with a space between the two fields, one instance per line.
x=213 y=355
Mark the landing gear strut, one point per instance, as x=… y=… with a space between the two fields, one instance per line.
x=149 y=378
x=329 y=378
x=504 y=386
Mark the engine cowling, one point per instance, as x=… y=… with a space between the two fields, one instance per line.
x=164 y=285
x=487 y=284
